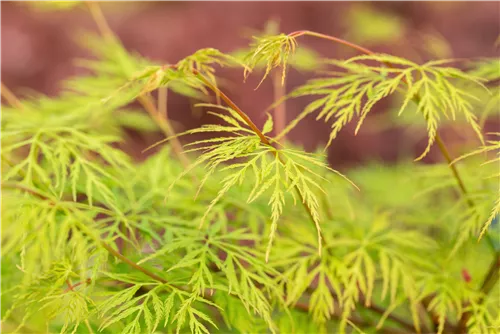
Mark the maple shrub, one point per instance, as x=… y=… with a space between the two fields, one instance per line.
x=240 y=230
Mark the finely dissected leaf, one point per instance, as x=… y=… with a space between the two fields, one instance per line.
x=359 y=87
x=485 y=317
x=284 y=173
x=492 y=145
x=70 y=195
x=182 y=77
x=149 y=307
x=446 y=297
x=302 y=59
x=74 y=158
x=275 y=50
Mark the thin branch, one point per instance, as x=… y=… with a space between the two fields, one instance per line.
x=166 y=127
x=10 y=97
x=71 y=287
x=100 y=20
x=31 y=191
x=233 y=106
x=331 y=38
x=453 y=167
x=132 y=263
x=162 y=101
x=279 y=91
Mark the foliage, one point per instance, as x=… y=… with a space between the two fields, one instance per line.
x=355 y=92
x=94 y=241
x=492 y=146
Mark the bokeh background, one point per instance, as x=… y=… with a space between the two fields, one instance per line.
x=39 y=48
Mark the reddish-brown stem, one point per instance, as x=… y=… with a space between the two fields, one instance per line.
x=233 y=106
x=331 y=38
x=458 y=178
x=71 y=287
x=132 y=263
x=162 y=101
x=25 y=189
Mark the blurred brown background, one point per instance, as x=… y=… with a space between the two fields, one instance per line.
x=38 y=48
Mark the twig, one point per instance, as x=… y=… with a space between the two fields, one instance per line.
x=453 y=167
x=10 y=97
x=330 y=38
x=132 y=263
x=279 y=91
x=233 y=106
x=72 y=287
x=162 y=101
x=100 y=20
x=166 y=127
x=31 y=191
